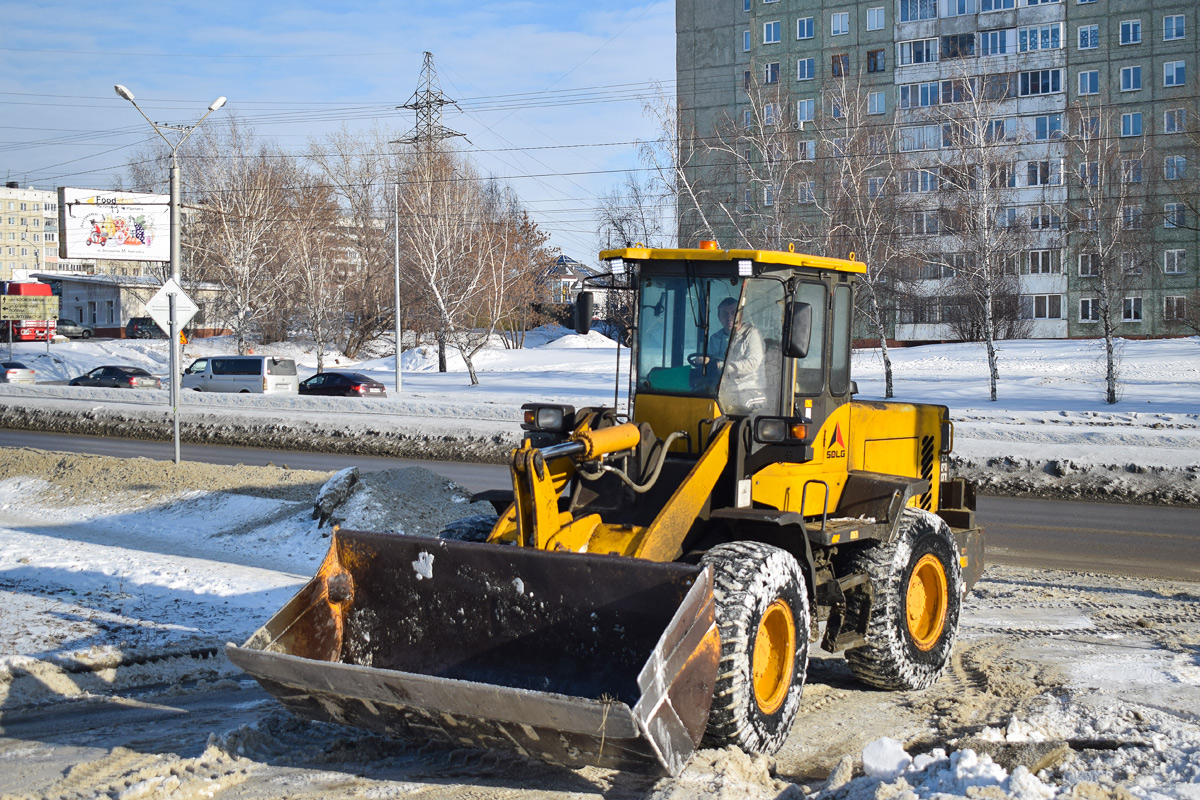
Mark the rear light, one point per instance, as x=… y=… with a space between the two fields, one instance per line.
x=358 y=387
x=264 y=384
x=133 y=381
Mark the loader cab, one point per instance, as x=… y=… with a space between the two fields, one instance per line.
x=739 y=333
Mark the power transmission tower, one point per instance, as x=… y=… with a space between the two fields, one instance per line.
x=427 y=102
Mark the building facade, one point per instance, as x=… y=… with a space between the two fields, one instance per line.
x=1093 y=104
x=28 y=231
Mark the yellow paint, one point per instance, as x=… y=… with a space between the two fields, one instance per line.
x=761 y=256
x=837 y=537
x=607 y=440
x=669 y=413
x=663 y=538
x=774 y=656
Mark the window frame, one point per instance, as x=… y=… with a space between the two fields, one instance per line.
x=842 y=17
x=1094 y=39
x=1130 y=118
x=1177 y=71
x=880 y=14
x=1134 y=28
x=1179 y=32
x=1130 y=76
x=811 y=63
x=1179 y=267
x=1092 y=76
x=772 y=27
x=800 y=27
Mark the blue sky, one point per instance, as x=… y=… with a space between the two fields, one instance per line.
x=298 y=70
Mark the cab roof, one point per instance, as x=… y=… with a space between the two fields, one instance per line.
x=789 y=259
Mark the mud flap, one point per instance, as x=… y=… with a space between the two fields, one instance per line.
x=572 y=658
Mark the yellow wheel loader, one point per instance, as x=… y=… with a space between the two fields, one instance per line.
x=653 y=579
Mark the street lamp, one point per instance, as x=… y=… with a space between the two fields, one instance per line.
x=186 y=131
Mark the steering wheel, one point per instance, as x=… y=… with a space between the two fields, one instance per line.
x=699 y=359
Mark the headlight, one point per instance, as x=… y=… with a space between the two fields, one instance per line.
x=553 y=418
x=775 y=430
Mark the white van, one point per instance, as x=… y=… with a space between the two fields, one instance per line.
x=242 y=374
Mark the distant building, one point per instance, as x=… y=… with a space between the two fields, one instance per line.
x=107 y=302
x=1044 y=60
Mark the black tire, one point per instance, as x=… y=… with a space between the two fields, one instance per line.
x=470 y=529
x=85 y=335
x=908 y=648
x=759 y=591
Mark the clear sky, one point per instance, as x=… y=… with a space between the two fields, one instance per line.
x=549 y=91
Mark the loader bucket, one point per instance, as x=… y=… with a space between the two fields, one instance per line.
x=572 y=658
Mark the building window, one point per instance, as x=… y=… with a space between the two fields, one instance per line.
x=1175 y=168
x=771 y=32
x=806 y=150
x=1174 y=215
x=804 y=28
x=746 y=83
x=747 y=198
x=1130 y=263
x=770 y=114
x=1131 y=309
x=1000 y=130
x=1173 y=27
x=1042 y=262
x=918 y=51
x=1089 y=82
x=1047 y=127
x=807 y=192
x=1039 y=81
x=1039 y=37
x=1041 y=306
x=1089 y=265
x=771 y=72
x=747 y=119
x=1173 y=120
x=839 y=23
x=875 y=19
x=1131 y=170
x=913 y=10
x=997 y=5
x=1131 y=79
x=745 y=41
x=876 y=103
x=876 y=60
x=1089 y=37
x=959 y=45
x=835 y=111
x=1131 y=218
x=806 y=69
x=1174 y=261
x=1089 y=310
x=1174 y=73
x=1131 y=31
x=1045 y=218
x=768 y=195
x=998 y=42
x=1044 y=173
x=1174 y=308
x=1131 y=124
x=805 y=109
x=920 y=137
x=919 y=180
x=874 y=187
x=958 y=8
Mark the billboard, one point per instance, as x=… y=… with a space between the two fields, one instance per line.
x=125 y=226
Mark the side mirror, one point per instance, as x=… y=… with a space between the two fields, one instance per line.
x=584 y=304
x=799 y=331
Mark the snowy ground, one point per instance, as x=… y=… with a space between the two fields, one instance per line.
x=117 y=574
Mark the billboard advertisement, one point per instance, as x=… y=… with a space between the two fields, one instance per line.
x=125 y=226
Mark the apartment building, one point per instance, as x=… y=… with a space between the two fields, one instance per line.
x=28 y=231
x=1063 y=76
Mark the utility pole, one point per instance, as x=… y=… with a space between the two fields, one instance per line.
x=427 y=135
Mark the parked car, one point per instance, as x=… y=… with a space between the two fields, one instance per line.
x=241 y=374
x=75 y=330
x=118 y=377
x=343 y=384
x=16 y=372
x=143 y=328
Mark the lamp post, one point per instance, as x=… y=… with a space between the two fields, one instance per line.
x=396 y=267
x=173 y=334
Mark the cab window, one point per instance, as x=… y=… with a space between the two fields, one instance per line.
x=810 y=370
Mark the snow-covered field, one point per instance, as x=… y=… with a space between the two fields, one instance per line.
x=115 y=574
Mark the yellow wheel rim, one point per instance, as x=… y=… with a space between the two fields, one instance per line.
x=774 y=656
x=927 y=602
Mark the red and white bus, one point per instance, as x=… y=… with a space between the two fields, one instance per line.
x=27 y=330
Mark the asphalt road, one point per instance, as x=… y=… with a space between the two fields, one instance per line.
x=1110 y=538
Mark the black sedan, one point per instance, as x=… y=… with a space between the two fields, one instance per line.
x=343 y=384
x=118 y=377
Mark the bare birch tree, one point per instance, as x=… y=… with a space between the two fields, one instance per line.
x=1108 y=219
x=238 y=235
x=676 y=159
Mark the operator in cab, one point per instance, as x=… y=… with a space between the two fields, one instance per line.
x=741 y=346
